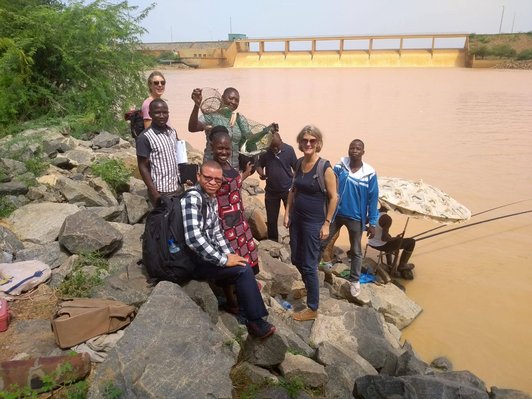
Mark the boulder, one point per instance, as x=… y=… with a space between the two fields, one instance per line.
x=282 y=275
x=51 y=254
x=103 y=189
x=136 y=207
x=265 y=353
x=86 y=232
x=393 y=303
x=306 y=370
x=12 y=168
x=499 y=393
x=414 y=387
x=104 y=140
x=343 y=366
x=40 y=223
x=176 y=340
x=80 y=192
x=201 y=293
x=13 y=188
x=9 y=242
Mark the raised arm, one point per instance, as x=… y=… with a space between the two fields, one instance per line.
x=194 y=124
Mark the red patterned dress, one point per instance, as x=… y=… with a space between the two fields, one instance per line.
x=235 y=226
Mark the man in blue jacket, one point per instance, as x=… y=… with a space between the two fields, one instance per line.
x=358 y=193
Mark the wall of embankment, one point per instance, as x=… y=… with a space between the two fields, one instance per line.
x=332 y=59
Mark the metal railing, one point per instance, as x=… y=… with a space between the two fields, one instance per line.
x=402 y=43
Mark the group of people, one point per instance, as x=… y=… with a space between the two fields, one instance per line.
x=319 y=199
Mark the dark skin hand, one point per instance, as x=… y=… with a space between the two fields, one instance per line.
x=144 y=169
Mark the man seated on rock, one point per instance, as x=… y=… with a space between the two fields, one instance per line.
x=214 y=258
x=383 y=241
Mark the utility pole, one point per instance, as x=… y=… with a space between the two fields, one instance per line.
x=513 y=23
x=230 y=25
x=502 y=16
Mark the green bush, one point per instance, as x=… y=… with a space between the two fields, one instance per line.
x=6 y=207
x=169 y=55
x=114 y=172
x=503 y=51
x=76 y=59
x=480 y=52
x=525 y=55
x=79 y=284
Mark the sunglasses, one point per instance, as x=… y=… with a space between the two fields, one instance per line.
x=217 y=180
x=158 y=83
x=308 y=141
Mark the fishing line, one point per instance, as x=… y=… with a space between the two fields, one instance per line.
x=476 y=214
x=473 y=224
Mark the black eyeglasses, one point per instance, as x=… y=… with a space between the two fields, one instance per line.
x=159 y=82
x=217 y=180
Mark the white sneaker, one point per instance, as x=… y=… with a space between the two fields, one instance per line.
x=354 y=289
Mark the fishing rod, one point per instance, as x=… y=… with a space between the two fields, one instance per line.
x=476 y=214
x=473 y=224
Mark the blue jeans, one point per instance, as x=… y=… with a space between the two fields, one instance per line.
x=354 y=227
x=305 y=248
x=247 y=291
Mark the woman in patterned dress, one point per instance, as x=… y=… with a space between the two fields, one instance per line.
x=231 y=209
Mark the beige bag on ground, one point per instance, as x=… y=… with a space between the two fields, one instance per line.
x=80 y=319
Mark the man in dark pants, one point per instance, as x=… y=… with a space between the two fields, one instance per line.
x=214 y=258
x=157 y=154
x=276 y=166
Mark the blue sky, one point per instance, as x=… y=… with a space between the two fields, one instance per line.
x=202 y=20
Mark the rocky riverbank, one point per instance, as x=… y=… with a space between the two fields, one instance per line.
x=180 y=344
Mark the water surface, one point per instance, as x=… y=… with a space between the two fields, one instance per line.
x=466 y=131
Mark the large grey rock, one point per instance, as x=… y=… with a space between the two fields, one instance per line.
x=57 y=144
x=40 y=223
x=80 y=192
x=13 y=188
x=414 y=387
x=136 y=207
x=80 y=157
x=105 y=140
x=111 y=213
x=393 y=303
x=246 y=374
x=130 y=253
x=171 y=350
x=343 y=367
x=282 y=275
x=86 y=232
x=12 y=168
x=8 y=241
x=264 y=352
x=129 y=286
x=284 y=329
x=201 y=293
x=405 y=364
x=51 y=254
x=104 y=190
x=309 y=372
x=355 y=328
x=500 y=393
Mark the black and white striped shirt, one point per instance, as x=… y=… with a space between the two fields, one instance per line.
x=160 y=147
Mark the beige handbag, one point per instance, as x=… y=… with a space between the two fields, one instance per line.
x=80 y=319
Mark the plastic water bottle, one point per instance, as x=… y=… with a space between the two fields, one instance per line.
x=172 y=247
x=285 y=304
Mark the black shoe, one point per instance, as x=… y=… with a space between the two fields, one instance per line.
x=260 y=328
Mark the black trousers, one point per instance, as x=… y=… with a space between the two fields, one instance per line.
x=272 y=202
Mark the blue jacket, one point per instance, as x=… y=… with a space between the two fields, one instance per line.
x=358 y=192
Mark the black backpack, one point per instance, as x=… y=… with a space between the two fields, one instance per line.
x=136 y=122
x=164 y=223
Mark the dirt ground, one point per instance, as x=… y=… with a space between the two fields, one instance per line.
x=37 y=304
